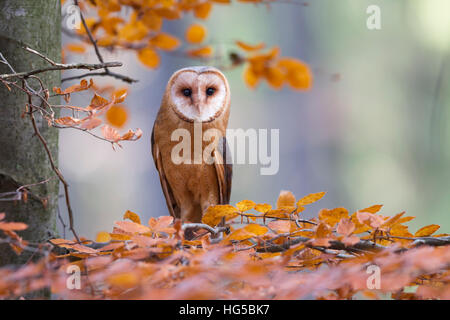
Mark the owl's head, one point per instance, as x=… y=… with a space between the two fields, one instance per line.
x=198 y=94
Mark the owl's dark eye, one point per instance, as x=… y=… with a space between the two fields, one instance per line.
x=187 y=92
x=210 y=91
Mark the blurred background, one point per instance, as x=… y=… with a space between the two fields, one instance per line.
x=372 y=130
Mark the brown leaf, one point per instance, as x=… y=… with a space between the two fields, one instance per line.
x=345 y=227
x=286 y=199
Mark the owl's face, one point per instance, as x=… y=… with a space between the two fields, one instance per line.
x=198 y=94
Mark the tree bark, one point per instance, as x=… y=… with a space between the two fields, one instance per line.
x=23 y=160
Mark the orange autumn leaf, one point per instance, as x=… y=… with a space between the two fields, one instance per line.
x=285 y=199
x=168 y=13
x=280 y=226
x=214 y=214
x=247 y=232
x=67 y=121
x=297 y=73
x=132 y=227
x=110 y=133
x=372 y=209
x=118 y=96
x=249 y=47
x=76 y=47
x=370 y=219
x=91 y=123
x=196 y=33
x=345 y=227
x=263 y=208
x=245 y=205
x=427 y=230
x=117 y=116
x=97 y=102
x=148 y=57
x=103 y=236
x=203 y=10
x=333 y=216
x=275 y=77
x=165 y=41
x=131 y=135
x=392 y=220
x=250 y=77
x=124 y=280
x=12 y=226
x=202 y=52
x=310 y=198
x=132 y=216
x=83 y=85
x=134 y=30
x=152 y=20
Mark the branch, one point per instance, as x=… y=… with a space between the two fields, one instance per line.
x=212 y=230
x=101 y=74
x=60 y=66
x=54 y=168
x=97 y=51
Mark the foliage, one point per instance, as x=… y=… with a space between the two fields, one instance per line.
x=247 y=251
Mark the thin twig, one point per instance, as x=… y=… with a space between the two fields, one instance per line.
x=54 y=168
x=60 y=66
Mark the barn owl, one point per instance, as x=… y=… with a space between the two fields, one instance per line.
x=194 y=96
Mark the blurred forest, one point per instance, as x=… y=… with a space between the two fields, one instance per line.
x=372 y=130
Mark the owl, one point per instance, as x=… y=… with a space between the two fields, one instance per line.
x=194 y=96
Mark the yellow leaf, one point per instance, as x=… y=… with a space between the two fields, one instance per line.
x=168 y=13
x=149 y=57
x=310 y=198
x=152 y=20
x=245 y=205
x=202 y=52
x=117 y=116
x=250 y=77
x=103 y=237
x=98 y=102
x=135 y=30
x=286 y=199
x=333 y=216
x=76 y=48
x=249 y=47
x=124 y=280
x=249 y=231
x=119 y=237
x=278 y=213
x=373 y=209
x=165 y=41
x=275 y=77
x=203 y=10
x=196 y=33
x=119 y=95
x=427 y=230
x=263 y=208
x=392 y=220
x=214 y=214
x=132 y=216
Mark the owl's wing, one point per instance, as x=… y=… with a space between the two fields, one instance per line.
x=174 y=209
x=224 y=170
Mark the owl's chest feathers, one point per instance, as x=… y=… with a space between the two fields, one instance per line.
x=192 y=181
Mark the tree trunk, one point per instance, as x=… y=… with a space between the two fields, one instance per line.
x=23 y=160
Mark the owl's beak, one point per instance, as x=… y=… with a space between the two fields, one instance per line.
x=196 y=103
